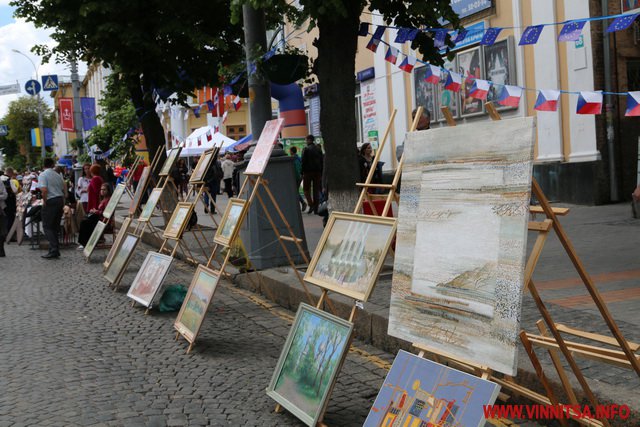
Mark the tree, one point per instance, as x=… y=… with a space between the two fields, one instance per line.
x=21 y=117
x=155 y=44
x=338 y=23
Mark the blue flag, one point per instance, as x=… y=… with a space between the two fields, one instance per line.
x=460 y=36
x=439 y=37
x=88 y=113
x=364 y=29
x=531 y=35
x=622 y=23
x=412 y=34
x=401 y=35
x=379 y=32
x=490 y=36
x=571 y=31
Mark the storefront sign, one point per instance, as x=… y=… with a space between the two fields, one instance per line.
x=465 y=8
x=369 y=120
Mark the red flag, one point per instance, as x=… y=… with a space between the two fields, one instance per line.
x=209 y=136
x=66 y=115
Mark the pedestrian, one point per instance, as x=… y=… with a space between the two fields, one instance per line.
x=183 y=179
x=94 y=187
x=51 y=186
x=212 y=181
x=227 y=174
x=137 y=173
x=312 y=163
x=94 y=216
x=82 y=189
x=424 y=123
x=13 y=190
x=297 y=166
x=3 y=216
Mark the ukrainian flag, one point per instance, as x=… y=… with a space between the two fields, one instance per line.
x=36 y=138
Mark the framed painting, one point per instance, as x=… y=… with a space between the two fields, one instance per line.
x=178 y=222
x=172 y=156
x=121 y=258
x=93 y=240
x=140 y=190
x=309 y=363
x=149 y=279
x=459 y=265
x=421 y=392
x=264 y=147
x=149 y=207
x=113 y=201
x=447 y=98
x=200 y=171
x=196 y=302
x=231 y=221
x=471 y=67
x=499 y=63
x=350 y=254
x=425 y=92
x=124 y=228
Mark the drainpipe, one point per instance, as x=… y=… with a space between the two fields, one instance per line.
x=609 y=111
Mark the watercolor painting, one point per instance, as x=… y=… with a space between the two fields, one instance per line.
x=178 y=221
x=419 y=392
x=140 y=190
x=196 y=303
x=462 y=237
x=351 y=253
x=149 y=207
x=121 y=258
x=149 y=278
x=231 y=220
x=309 y=364
x=200 y=171
x=168 y=163
x=93 y=240
x=113 y=201
x=124 y=229
x=264 y=147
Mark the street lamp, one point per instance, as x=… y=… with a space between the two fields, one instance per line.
x=40 y=121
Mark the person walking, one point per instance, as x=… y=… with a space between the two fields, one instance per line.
x=297 y=166
x=3 y=217
x=51 y=186
x=312 y=163
x=227 y=174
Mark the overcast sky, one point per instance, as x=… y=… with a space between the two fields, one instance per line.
x=21 y=35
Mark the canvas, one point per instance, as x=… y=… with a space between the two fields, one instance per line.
x=196 y=302
x=200 y=171
x=230 y=224
x=93 y=240
x=264 y=147
x=419 y=392
x=140 y=190
x=149 y=207
x=178 y=221
x=168 y=163
x=124 y=228
x=309 y=363
x=350 y=254
x=462 y=234
x=149 y=278
x=121 y=258
x=113 y=201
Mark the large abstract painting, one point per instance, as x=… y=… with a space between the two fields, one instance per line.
x=420 y=392
x=462 y=234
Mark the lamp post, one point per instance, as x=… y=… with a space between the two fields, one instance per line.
x=40 y=121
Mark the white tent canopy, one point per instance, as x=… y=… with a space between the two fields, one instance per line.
x=199 y=136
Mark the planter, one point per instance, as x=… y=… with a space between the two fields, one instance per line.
x=286 y=69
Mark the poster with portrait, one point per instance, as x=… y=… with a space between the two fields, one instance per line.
x=446 y=98
x=499 y=63
x=424 y=91
x=470 y=65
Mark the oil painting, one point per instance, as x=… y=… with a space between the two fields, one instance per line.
x=200 y=171
x=149 y=279
x=121 y=258
x=462 y=234
x=230 y=224
x=203 y=286
x=168 y=163
x=178 y=221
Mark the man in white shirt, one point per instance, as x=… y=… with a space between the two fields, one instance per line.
x=227 y=177
x=51 y=186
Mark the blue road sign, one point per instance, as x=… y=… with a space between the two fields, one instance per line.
x=4 y=130
x=32 y=87
x=50 y=82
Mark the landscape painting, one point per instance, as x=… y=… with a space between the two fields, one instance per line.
x=200 y=171
x=168 y=163
x=309 y=364
x=149 y=278
x=419 y=392
x=93 y=240
x=121 y=258
x=113 y=201
x=124 y=229
x=140 y=190
x=351 y=253
x=178 y=221
x=196 y=303
x=462 y=234
x=229 y=226
x=149 y=207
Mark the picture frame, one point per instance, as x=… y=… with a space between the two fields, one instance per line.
x=178 y=222
x=425 y=93
x=447 y=98
x=328 y=332
x=231 y=220
x=148 y=281
x=93 y=240
x=121 y=258
x=150 y=206
x=500 y=69
x=172 y=156
x=124 y=228
x=351 y=253
x=264 y=147
x=140 y=190
x=200 y=171
x=471 y=66
x=196 y=302
x=113 y=201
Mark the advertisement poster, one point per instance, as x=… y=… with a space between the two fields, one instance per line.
x=447 y=98
x=498 y=65
x=470 y=66
x=369 y=120
x=425 y=92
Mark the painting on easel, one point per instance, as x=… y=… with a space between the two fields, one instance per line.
x=113 y=201
x=168 y=163
x=178 y=221
x=149 y=278
x=124 y=229
x=200 y=171
x=462 y=237
x=140 y=190
x=149 y=207
x=121 y=258
x=228 y=229
x=350 y=254
x=264 y=147
x=196 y=303
x=309 y=363
x=420 y=392
x=93 y=240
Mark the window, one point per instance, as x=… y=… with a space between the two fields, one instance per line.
x=237 y=132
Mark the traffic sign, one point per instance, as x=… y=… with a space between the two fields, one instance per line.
x=4 y=130
x=9 y=89
x=32 y=87
x=50 y=82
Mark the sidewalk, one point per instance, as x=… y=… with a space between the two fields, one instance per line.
x=606 y=239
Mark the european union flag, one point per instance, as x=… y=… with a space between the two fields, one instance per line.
x=379 y=32
x=490 y=36
x=88 y=106
x=531 y=35
x=439 y=38
x=622 y=23
x=461 y=35
x=413 y=33
x=571 y=31
x=401 y=35
x=364 y=29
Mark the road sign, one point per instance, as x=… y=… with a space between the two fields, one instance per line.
x=32 y=87
x=9 y=89
x=50 y=82
x=4 y=130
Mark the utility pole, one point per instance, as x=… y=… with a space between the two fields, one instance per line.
x=255 y=39
x=39 y=106
x=77 y=108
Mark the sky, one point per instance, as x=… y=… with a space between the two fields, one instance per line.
x=21 y=35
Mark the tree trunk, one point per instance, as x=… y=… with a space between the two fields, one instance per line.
x=335 y=68
x=149 y=120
